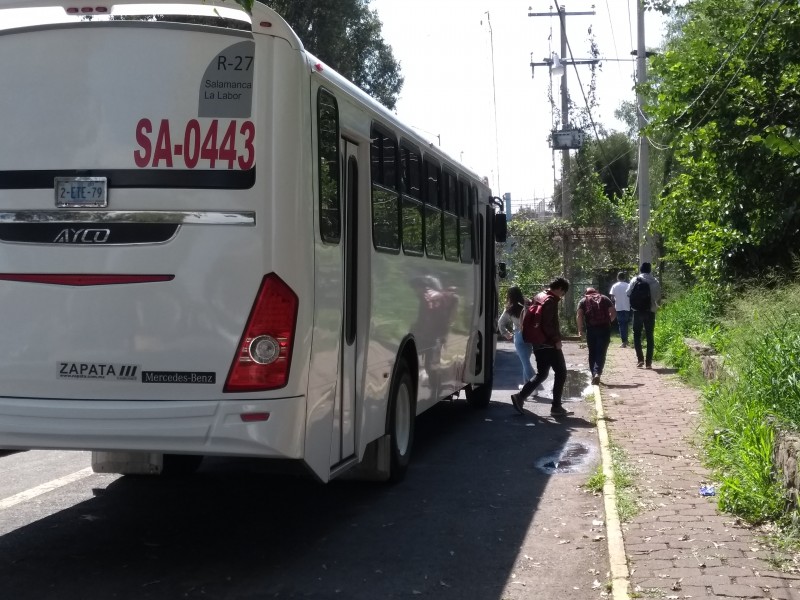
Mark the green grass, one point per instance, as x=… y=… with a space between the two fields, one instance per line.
x=758 y=334
x=596 y=482
x=627 y=496
x=627 y=505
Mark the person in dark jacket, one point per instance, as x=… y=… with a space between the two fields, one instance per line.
x=548 y=354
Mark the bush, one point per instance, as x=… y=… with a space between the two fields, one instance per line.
x=758 y=333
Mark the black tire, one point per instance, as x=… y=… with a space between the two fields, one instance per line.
x=478 y=396
x=178 y=465
x=401 y=418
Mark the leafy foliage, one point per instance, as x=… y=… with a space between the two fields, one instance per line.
x=346 y=35
x=725 y=94
x=758 y=334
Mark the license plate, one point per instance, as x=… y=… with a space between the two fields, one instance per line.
x=81 y=191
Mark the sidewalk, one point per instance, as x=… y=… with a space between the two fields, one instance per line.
x=679 y=546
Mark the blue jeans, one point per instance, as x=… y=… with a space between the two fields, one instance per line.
x=597 y=339
x=647 y=320
x=623 y=318
x=524 y=353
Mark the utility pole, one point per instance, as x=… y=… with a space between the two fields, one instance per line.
x=645 y=243
x=566 y=192
x=566 y=199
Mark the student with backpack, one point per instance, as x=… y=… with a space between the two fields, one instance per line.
x=622 y=304
x=540 y=328
x=595 y=314
x=644 y=292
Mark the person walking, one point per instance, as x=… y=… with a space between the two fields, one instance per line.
x=509 y=325
x=622 y=304
x=548 y=352
x=644 y=293
x=595 y=314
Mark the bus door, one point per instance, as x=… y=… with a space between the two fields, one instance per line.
x=343 y=444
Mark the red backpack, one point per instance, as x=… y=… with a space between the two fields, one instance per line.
x=595 y=310
x=532 y=321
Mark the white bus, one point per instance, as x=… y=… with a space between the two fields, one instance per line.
x=211 y=244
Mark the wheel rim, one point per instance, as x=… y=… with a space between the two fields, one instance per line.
x=402 y=419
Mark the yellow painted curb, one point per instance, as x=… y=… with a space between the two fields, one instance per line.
x=620 y=577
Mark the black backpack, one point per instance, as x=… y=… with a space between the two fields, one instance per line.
x=640 y=295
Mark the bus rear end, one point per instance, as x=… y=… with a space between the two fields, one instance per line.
x=146 y=305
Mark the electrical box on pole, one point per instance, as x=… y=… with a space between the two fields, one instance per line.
x=569 y=139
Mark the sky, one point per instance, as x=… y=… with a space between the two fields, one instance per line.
x=456 y=93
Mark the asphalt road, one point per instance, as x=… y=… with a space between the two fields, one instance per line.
x=480 y=516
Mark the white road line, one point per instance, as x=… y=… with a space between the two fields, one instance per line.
x=45 y=487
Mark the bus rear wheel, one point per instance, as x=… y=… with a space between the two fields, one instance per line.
x=402 y=413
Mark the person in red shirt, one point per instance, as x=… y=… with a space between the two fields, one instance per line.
x=548 y=354
x=595 y=314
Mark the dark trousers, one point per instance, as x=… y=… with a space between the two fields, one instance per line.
x=598 y=339
x=547 y=358
x=646 y=319
x=623 y=318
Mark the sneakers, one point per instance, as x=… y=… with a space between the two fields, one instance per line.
x=596 y=380
x=517 y=402
x=559 y=411
x=648 y=366
x=640 y=364
x=623 y=345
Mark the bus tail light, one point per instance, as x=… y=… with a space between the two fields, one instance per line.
x=264 y=353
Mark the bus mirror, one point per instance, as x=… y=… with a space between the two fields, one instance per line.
x=501 y=270
x=500 y=227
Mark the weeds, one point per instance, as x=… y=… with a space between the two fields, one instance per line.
x=759 y=337
x=627 y=504
x=596 y=482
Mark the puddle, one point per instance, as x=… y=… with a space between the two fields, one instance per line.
x=573 y=458
x=576 y=387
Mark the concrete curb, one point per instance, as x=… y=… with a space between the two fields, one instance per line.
x=620 y=576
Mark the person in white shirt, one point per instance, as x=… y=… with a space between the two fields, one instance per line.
x=509 y=325
x=619 y=294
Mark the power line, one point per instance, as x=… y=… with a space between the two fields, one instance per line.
x=744 y=62
x=728 y=58
x=613 y=36
x=494 y=101
x=588 y=108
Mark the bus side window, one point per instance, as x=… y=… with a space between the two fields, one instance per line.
x=465 y=218
x=329 y=172
x=433 y=211
x=412 y=219
x=450 y=226
x=385 y=195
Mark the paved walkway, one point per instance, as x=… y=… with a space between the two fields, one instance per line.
x=679 y=546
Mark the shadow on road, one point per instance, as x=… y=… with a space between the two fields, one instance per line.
x=452 y=529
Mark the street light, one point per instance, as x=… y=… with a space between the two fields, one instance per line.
x=556 y=66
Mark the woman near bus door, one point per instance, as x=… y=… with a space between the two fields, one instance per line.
x=509 y=324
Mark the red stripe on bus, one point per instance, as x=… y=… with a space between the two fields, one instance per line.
x=80 y=280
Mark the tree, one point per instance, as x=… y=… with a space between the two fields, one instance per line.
x=726 y=94
x=346 y=35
